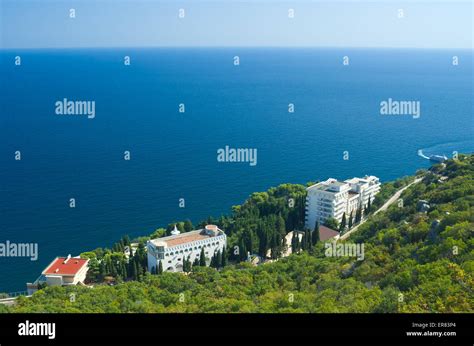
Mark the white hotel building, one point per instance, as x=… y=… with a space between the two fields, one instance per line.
x=173 y=249
x=332 y=198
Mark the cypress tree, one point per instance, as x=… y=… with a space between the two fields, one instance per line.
x=185 y=265
x=124 y=270
x=247 y=238
x=369 y=206
x=350 y=220
x=126 y=240
x=315 y=236
x=202 y=258
x=280 y=225
x=134 y=271
x=273 y=243
x=160 y=268
x=243 y=253
x=224 y=256
x=358 y=214
x=303 y=241
x=218 y=259
x=342 y=226
x=310 y=240
x=212 y=263
x=279 y=245
x=263 y=246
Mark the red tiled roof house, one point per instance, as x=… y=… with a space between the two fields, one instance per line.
x=66 y=271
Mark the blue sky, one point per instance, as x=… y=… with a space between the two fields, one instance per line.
x=125 y=23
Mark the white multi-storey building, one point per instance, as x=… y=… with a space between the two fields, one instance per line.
x=176 y=248
x=332 y=198
x=366 y=187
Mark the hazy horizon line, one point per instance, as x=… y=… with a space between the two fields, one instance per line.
x=236 y=46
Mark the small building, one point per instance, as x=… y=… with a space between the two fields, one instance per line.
x=326 y=233
x=173 y=250
x=63 y=271
x=423 y=206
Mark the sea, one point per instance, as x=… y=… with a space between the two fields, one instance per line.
x=334 y=129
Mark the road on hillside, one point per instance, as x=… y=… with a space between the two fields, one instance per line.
x=384 y=207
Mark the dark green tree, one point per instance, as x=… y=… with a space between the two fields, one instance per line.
x=315 y=236
x=219 y=259
x=280 y=225
x=304 y=244
x=202 y=258
x=331 y=223
x=213 y=261
x=126 y=240
x=342 y=225
x=358 y=215
x=310 y=240
x=196 y=262
x=160 y=268
x=188 y=226
x=224 y=256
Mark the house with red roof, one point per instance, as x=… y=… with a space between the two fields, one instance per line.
x=326 y=233
x=62 y=271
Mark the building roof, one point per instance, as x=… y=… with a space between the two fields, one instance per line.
x=173 y=240
x=331 y=185
x=355 y=180
x=65 y=266
x=365 y=180
x=185 y=238
x=326 y=233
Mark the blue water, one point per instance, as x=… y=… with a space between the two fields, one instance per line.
x=174 y=155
